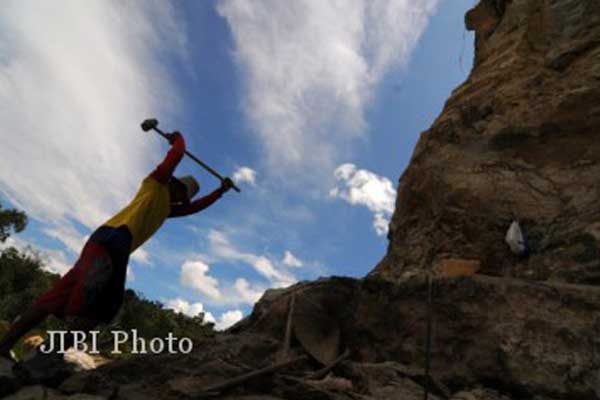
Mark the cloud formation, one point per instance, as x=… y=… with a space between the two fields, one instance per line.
x=360 y=187
x=291 y=260
x=130 y=274
x=226 y=319
x=245 y=175
x=190 y=309
x=194 y=274
x=310 y=67
x=248 y=293
x=225 y=250
x=75 y=82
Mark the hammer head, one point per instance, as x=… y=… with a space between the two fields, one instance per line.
x=149 y=124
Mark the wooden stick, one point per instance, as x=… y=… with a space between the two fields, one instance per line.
x=238 y=380
x=428 y=334
x=288 y=331
x=323 y=371
x=200 y=162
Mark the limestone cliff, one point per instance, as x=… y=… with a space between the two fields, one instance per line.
x=520 y=138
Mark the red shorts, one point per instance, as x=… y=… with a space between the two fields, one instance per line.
x=94 y=287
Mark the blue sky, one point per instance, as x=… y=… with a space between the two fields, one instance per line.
x=315 y=108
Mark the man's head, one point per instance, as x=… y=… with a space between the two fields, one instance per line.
x=183 y=189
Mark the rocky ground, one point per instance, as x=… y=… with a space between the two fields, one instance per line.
x=519 y=139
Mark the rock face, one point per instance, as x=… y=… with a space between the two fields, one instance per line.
x=7 y=377
x=519 y=139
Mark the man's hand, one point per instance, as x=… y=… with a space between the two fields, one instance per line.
x=226 y=184
x=172 y=136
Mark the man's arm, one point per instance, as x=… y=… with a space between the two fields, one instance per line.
x=163 y=172
x=202 y=203
x=196 y=205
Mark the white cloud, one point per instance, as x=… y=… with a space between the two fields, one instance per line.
x=208 y=317
x=380 y=224
x=194 y=274
x=224 y=249
x=193 y=309
x=55 y=261
x=68 y=235
x=75 y=82
x=190 y=309
x=141 y=255
x=264 y=266
x=365 y=188
x=291 y=260
x=245 y=174
x=130 y=275
x=247 y=293
x=228 y=318
x=310 y=67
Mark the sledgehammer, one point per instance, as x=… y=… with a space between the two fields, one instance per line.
x=152 y=124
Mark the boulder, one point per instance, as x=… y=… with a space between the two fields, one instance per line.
x=479 y=394
x=36 y=392
x=8 y=382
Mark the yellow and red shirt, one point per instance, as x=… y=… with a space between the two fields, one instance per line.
x=151 y=206
x=146 y=212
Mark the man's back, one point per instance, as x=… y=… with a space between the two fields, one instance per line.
x=145 y=213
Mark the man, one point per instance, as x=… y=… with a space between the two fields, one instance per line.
x=91 y=292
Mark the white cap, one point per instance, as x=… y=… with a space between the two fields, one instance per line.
x=191 y=185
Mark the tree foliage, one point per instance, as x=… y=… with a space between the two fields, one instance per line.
x=11 y=218
x=22 y=279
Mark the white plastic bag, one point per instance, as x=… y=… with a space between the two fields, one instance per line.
x=515 y=239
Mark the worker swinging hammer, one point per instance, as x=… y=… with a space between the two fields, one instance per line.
x=91 y=292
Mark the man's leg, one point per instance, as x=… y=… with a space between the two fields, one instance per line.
x=23 y=324
x=50 y=302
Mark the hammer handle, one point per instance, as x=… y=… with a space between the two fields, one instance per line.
x=202 y=163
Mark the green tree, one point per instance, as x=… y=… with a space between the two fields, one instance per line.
x=11 y=218
x=22 y=279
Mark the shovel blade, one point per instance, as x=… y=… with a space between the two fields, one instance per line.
x=316 y=331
